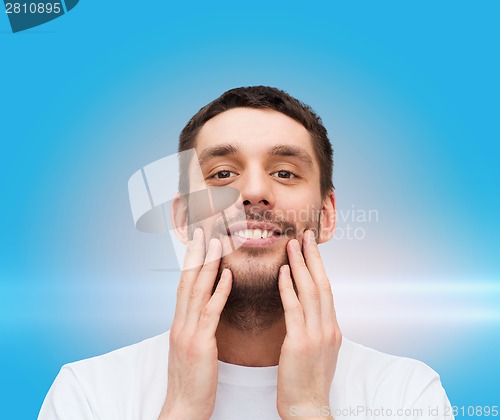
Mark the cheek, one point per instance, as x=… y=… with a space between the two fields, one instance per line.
x=196 y=220
x=301 y=209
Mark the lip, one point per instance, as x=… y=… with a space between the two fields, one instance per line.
x=252 y=225
x=251 y=242
x=238 y=241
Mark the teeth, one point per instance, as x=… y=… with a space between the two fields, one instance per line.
x=254 y=233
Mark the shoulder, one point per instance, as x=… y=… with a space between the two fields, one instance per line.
x=139 y=357
x=378 y=379
x=126 y=383
x=374 y=365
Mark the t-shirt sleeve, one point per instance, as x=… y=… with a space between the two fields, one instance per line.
x=65 y=399
x=411 y=390
x=433 y=402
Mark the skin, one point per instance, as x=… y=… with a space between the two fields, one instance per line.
x=304 y=340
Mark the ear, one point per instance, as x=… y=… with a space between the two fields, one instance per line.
x=180 y=217
x=328 y=218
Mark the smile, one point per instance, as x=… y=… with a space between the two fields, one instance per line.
x=255 y=233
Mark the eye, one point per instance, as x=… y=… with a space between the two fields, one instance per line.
x=284 y=174
x=223 y=175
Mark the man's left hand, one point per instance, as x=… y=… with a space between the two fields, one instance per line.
x=309 y=353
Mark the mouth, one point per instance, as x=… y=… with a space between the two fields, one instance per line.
x=254 y=234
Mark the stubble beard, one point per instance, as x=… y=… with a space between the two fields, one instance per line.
x=254 y=303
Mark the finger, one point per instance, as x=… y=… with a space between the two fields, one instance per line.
x=193 y=259
x=210 y=315
x=193 y=262
x=309 y=295
x=294 y=313
x=316 y=268
x=203 y=286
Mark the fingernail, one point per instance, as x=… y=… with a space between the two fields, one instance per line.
x=295 y=245
x=224 y=277
x=198 y=232
x=310 y=236
x=212 y=244
x=285 y=270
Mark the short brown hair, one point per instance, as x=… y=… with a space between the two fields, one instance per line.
x=265 y=97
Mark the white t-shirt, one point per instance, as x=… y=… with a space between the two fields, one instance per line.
x=131 y=383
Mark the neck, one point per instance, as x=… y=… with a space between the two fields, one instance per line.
x=250 y=348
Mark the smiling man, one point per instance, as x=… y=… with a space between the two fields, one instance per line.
x=255 y=334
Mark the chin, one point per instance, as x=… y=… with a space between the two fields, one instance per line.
x=249 y=268
x=249 y=258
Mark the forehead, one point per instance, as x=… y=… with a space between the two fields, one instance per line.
x=253 y=131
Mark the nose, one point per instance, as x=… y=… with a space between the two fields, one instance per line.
x=256 y=191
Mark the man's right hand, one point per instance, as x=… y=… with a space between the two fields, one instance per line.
x=192 y=359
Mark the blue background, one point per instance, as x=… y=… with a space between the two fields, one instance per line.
x=409 y=92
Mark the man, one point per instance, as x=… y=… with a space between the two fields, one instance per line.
x=254 y=334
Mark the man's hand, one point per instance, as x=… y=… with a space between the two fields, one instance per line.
x=192 y=359
x=309 y=353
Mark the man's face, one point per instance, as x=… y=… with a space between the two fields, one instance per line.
x=269 y=158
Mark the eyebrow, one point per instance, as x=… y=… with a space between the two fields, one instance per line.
x=293 y=151
x=218 y=151
x=278 y=150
